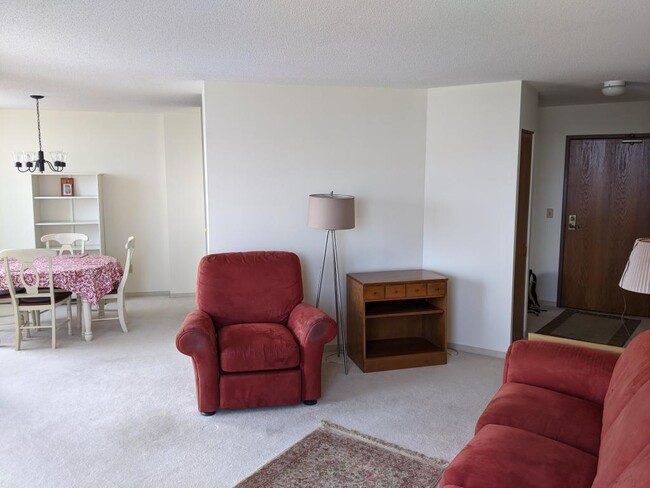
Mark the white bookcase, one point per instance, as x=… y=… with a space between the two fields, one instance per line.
x=82 y=212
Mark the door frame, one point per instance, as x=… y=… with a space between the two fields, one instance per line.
x=520 y=290
x=565 y=189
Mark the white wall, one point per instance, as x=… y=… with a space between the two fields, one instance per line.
x=129 y=149
x=529 y=108
x=469 y=206
x=185 y=203
x=555 y=124
x=269 y=146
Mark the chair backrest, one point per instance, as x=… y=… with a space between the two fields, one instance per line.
x=28 y=277
x=247 y=287
x=67 y=240
x=130 y=249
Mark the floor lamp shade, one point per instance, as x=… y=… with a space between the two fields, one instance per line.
x=636 y=276
x=331 y=212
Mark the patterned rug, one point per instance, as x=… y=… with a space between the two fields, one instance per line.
x=591 y=327
x=333 y=456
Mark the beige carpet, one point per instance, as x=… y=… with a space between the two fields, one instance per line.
x=333 y=456
x=120 y=411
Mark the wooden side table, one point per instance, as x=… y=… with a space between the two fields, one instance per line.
x=397 y=319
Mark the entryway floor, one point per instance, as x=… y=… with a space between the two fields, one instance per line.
x=534 y=323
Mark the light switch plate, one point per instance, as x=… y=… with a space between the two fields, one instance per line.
x=549 y=213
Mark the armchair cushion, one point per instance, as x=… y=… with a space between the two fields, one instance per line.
x=257 y=347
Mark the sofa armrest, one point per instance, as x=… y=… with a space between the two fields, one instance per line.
x=573 y=370
x=312 y=328
x=198 y=339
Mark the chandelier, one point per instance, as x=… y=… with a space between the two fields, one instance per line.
x=33 y=160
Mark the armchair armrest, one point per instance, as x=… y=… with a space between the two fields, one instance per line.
x=198 y=339
x=576 y=371
x=312 y=328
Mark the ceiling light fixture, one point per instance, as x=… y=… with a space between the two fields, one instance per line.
x=613 y=88
x=36 y=161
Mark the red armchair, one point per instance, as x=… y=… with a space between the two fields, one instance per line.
x=252 y=341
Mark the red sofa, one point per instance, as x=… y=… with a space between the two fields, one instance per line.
x=565 y=417
x=252 y=341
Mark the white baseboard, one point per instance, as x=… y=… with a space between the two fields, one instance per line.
x=331 y=348
x=181 y=295
x=148 y=294
x=477 y=350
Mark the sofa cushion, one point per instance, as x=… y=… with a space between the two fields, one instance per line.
x=257 y=347
x=560 y=417
x=507 y=457
x=626 y=415
x=577 y=371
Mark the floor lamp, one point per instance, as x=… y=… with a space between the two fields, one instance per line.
x=332 y=212
x=636 y=276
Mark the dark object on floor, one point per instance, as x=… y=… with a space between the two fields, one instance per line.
x=590 y=327
x=565 y=416
x=533 y=302
x=252 y=341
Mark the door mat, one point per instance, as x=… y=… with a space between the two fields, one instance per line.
x=333 y=456
x=591 y=327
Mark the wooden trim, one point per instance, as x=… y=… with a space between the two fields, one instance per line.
x=572 y=342
x=567 y=151
x=522 y=233
x=608 y=136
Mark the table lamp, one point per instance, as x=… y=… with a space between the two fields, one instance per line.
x=332 y=212
x=636 y=276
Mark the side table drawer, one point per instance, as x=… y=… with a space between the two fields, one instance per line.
x=395 y=291
x=373 y=292
x=416 y=290
x=437 y=288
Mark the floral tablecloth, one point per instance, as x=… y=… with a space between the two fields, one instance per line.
x=89 y=276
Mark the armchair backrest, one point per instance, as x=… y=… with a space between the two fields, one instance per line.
x=247 y=287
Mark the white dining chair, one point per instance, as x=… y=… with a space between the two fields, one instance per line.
x=67 y=241
x=117 y=294
x=37 y=296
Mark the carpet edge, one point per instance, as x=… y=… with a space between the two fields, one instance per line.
x=431 y=461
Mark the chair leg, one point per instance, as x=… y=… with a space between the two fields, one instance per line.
x=69 y=309
x=121 y=312
x=19 y=317
x=53 y=312
x=79 y=313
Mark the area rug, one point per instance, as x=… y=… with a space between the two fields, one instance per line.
x=591 y=327
x=333 y=456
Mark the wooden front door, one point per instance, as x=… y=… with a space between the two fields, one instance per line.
x=606 y=207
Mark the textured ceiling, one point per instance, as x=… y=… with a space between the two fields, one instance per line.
x=127 y=55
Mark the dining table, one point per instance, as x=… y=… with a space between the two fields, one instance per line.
x=89 y=276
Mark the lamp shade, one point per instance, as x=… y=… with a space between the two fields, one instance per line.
x=330 y=211
x=636 y=276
